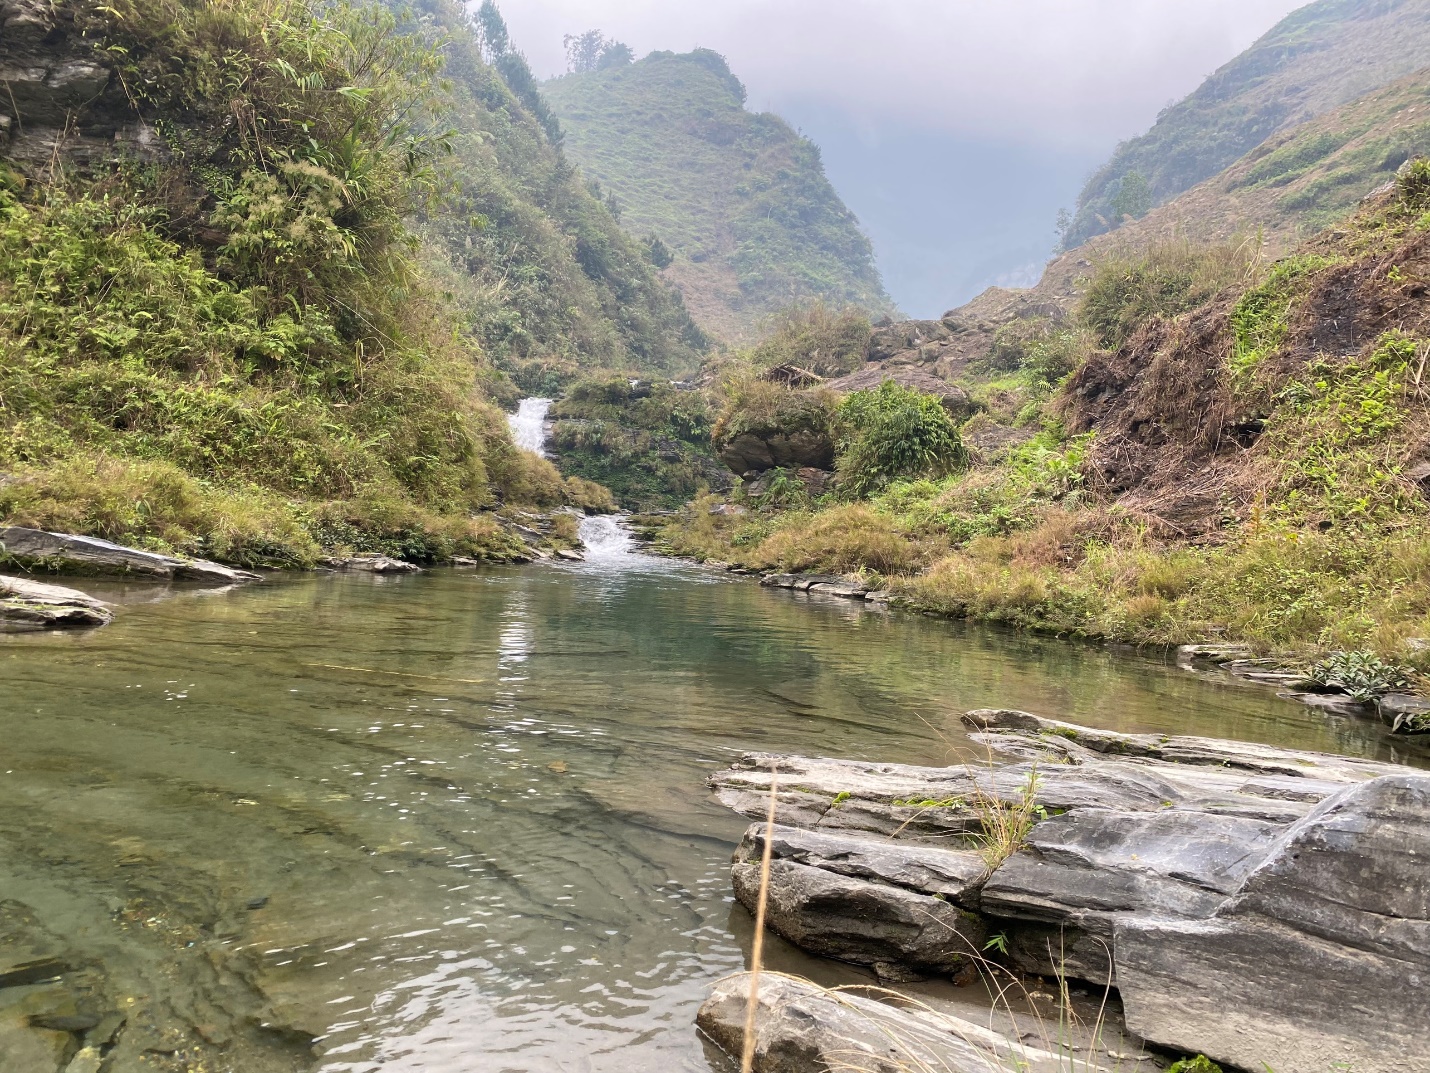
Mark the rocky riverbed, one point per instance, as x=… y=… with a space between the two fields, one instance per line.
x=1262 y=906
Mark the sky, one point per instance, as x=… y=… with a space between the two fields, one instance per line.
x=954 y=129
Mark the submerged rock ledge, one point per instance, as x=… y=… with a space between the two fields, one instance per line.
x=1256 y=904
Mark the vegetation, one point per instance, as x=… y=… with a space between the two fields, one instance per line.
x=649 y=442
x=739 y=197
x=1226 y=474
x=1315 y=60
x=237 y=349
x=891 y=433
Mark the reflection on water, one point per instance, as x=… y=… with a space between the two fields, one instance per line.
x=455 y=821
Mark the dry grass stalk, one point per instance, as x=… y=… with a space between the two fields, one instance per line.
x=757 y=949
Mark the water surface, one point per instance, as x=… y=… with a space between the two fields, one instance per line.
x=455 y=821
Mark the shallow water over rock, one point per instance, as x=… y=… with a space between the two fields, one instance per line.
x=456 y=821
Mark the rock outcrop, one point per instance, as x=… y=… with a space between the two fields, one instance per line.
x=33 y=605
x=70 y=554
x=955 y=400
x=801 y=1028
x=1251 y=903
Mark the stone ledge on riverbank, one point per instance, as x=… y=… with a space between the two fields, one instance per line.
x=34 y=605
x=1195 y=875
x=71 y=554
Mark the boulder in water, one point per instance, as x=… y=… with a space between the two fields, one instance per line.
x=34 y=605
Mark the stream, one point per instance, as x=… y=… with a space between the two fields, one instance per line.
x=455 y=821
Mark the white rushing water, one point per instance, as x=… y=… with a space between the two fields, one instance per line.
x=607 y=540
x=528 y=425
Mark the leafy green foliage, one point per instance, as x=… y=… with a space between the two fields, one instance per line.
x=1362 y=676
x=1260 y=320
x=740 y=198
x=1200 y=1064
x=892 y=432
x=236 y=352
x=648 y=442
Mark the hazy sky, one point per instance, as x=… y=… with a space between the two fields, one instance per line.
x=955 y=129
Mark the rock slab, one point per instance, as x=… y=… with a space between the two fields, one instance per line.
x=1322 y=958
x=74 y=554
x=801 y=1028
x=34 y=605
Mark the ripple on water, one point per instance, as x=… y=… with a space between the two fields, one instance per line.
x=457 y=822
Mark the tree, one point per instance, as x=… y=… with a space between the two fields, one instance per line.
x=615 y=54
x=593 y=51
x=491 y=30
x=1133 y=198
x=657 y=252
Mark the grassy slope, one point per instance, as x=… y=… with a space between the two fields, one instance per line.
x=1315 y=59
x=1242 y=471
x=232 y=349
x=546 y=277
x=1273 y=198
x=740 y=197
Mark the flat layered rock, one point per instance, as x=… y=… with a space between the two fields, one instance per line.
x=35 y=605
x=801 y=1028
x=866 y=903
x=69 y=553
x=1321 y=960
x=373 y=564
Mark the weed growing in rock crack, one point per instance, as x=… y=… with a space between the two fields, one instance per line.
x=1006 y=824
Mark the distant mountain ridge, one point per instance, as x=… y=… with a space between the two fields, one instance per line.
x=1316 y=59
x=739 y=197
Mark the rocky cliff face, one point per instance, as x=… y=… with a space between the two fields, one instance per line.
x=61 y=95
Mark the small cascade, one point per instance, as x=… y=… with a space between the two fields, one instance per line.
x=528 y=425
x=607 y=540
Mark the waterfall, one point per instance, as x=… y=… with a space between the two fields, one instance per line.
x=606 y=539
x=528 y=425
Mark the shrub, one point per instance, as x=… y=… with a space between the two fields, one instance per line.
x=893 y=432
x=817 y=338
x=843 y=539
x=1171 y=278
x=1362 y=676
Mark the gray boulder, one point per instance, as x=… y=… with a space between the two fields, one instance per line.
x=74 y=554
x=870 y=904
x=803 y=1028
x=34 y=605
x=373 y=564
x=1081 y=871
x=1322 y=958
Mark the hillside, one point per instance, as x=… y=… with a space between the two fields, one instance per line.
x=1223 y=449
x=263 y=271
x=738 y=197
x=1314 y=60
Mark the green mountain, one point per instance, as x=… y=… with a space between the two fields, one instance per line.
x=264 y=270
x=739 y=197
x=1317 y=58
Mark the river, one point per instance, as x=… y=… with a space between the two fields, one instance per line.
x=455 y=821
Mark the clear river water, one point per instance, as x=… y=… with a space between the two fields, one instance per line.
x=456 y=821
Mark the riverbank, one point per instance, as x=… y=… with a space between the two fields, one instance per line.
x=1215 y=886
x=421 y=816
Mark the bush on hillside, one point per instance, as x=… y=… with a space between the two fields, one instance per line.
x=893 y=432
x=1171 y=278
x=815 y=338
